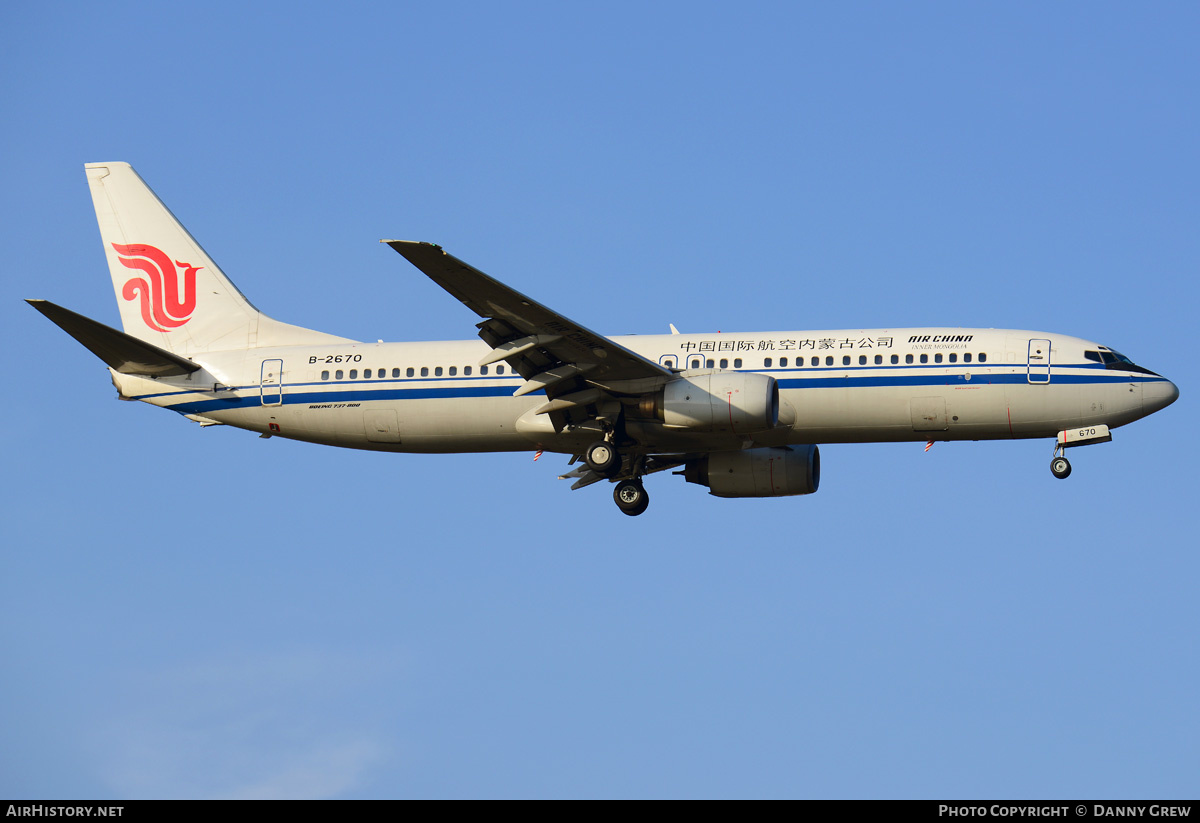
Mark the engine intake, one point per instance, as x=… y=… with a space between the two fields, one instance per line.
x=771 y=472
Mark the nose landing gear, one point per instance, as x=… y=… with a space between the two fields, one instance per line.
x=1060 y=467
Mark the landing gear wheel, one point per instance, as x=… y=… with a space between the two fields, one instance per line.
x=1060 y=467
x=631 y=497
x=603 y=458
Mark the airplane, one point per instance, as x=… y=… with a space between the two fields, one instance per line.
x=740 y=413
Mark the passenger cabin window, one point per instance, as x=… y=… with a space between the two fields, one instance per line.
x=409 y=372
x=908 y=358
x=937 y=358
x=878 y=359
x=846 y=360
x=354 y=374
x=695 y=364
x=424 y=371
x=816 y=361
x=953 y=357
x=895 y=359
x=783 y=362
x=829 y=360
x=499 y=370
x=767 y=363
x=862 y=360
x=967 y=357
x=396 y=372
x=337 y=375
x=708 y=364
x=924 y=358
x=437 y=371
x=467 y=371
x=737 y=362
x=325 y=375
x=453 y=371
x=724 y=363
x=483 y=369
x=982 y=357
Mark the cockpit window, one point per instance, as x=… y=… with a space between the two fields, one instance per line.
x=1113 y=359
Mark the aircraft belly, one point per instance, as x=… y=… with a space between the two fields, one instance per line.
x=442 y=425
x=425 y=425
x=1113 y=404
x=899 y=413
x=1043 y=409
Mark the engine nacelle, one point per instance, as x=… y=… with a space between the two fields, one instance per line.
x=737 y=402
x=772 y=472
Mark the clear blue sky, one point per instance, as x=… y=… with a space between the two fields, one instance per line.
x=201 y=613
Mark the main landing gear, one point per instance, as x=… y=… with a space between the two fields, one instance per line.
x=630 y=495
x=603 y=458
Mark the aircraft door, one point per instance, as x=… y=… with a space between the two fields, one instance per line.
x=671 y=361
x=1039 y=361
x=271 y=383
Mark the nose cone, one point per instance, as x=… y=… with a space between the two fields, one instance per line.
x=1158 y=395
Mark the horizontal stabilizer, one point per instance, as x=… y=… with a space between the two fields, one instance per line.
x=121 y=351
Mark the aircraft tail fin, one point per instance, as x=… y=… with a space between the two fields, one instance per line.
x=170 y=292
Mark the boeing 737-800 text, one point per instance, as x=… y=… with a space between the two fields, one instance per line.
x=742 y=414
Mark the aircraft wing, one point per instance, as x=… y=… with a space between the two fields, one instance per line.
x=552 y=352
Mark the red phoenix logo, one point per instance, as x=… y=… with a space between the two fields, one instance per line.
x=162 y=308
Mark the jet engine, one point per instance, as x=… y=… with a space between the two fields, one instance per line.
x=771 y=472
x=717 y=402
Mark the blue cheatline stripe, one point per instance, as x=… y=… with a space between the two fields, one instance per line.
x=774 y=370
x=394 y=380
x=954 y=380
x=904 y=380
x=350 y=396
x=374 y=393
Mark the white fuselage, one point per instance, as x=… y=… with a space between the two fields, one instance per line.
x=873 y=385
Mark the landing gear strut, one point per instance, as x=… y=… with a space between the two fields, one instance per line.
x=631 y=497
x=1060 y=466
